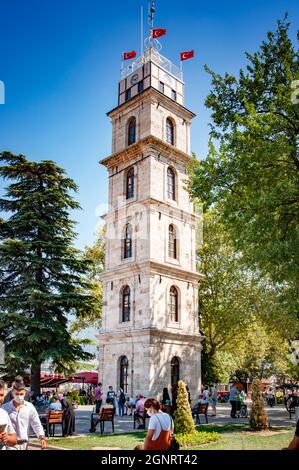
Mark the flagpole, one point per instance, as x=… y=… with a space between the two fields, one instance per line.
x=141 y=28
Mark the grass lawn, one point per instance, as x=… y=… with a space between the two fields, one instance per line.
x=235 y=437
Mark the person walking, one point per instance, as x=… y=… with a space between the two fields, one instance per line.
x=214 y=397
x=139 y=412
x=159 y=427
x=121 y=402
x=233 y=394
x=98 y=395
x=24 y=416
x=18 y=380
x=8 y=437
x=111 y=395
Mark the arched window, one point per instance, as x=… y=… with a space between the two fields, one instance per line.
x=130 y=183
x=126 y=304
x=169 y=131
x=173 y=305
x=128 y=241
x=172 y=248
x=170 y=183
x=123 y=373
x=175 y=370
x=132 y=131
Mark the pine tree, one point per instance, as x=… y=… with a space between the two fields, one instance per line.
x=183 y=421
x=43 y=278
x=258 y=418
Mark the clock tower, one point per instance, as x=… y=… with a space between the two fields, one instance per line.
x=150 y=337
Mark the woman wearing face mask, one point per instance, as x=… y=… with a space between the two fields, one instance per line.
x=159 y=428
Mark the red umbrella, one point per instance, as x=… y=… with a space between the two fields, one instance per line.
x=52 y=380
x=86 y=377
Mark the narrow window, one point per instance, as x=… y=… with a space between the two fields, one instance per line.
x=172 y=248
x=130 y=183
x=132 y=131
x=173 y=95
x=173 y=305
x=162 y=87
x=140 y=87
x=123 y=372
x=128 y=242
x=126 y=304
x=128 y=94
x=170 y=184
x=169 y=131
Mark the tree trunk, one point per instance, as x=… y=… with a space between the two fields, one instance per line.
x=35 y=378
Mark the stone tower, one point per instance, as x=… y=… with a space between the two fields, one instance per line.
x=149 y=337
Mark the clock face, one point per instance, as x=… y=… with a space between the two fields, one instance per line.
x=134 y=79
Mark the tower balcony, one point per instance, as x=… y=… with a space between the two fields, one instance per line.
x=153 y=55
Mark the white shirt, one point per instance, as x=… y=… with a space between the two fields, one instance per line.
x=205 y=396
x=23 y=419
x=5 y=419
x=158 y=422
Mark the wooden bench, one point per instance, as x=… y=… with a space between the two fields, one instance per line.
x=290 y=403
x=105 y=415
x=201 y=409
x=137 y=417
x=54 y=417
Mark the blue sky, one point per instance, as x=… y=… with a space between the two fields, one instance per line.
x=60 y=62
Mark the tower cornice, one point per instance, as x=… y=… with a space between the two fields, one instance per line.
x=143 y=146
x=153 y=267
x=157 y=96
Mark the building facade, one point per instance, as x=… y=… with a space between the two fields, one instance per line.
x=149 y=337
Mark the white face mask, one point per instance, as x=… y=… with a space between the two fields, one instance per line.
x=149 y=413
x=19 y=398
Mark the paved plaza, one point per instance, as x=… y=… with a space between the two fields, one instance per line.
x=278 y=416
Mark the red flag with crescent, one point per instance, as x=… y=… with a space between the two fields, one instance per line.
x=187 y=55
x=156 y=33
x=129 y=55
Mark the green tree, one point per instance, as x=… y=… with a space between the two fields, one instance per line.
x=43 y=278
x=258 y=419
x=226 y=297
x=243 y=321
x=252 y=165
x=95 y=255
x=183 y=421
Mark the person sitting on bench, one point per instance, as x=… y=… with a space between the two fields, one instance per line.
x=95 y=417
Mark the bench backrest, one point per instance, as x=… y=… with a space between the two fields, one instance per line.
x=203 y=408
x=55 y=417
x=107 y=414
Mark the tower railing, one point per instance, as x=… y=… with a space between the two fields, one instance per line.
x=152 y=54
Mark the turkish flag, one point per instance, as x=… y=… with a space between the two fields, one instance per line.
x=129 y=55
x=187 y=55
x=156 y=33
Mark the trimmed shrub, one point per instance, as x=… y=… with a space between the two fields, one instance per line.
x=183 y=421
